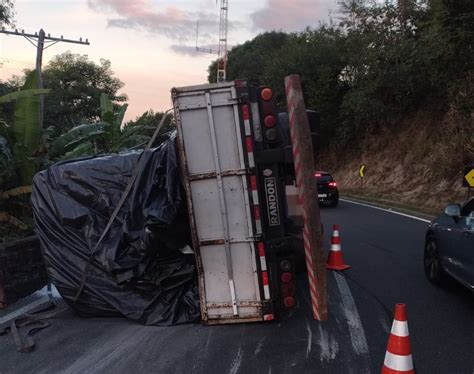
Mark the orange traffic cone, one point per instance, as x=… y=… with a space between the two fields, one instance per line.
x=398 y=358
x=335 y=260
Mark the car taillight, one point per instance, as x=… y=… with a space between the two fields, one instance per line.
x=333 y=184
x=317 y=175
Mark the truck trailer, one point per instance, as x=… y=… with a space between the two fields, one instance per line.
x=234 y=165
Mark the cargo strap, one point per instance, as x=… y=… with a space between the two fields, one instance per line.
x=118 y=207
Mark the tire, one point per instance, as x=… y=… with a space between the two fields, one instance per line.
x=334 y=203
x=432 y=262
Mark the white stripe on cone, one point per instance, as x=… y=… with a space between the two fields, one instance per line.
x=398 y=362
x=335 y=247
x=400 y=328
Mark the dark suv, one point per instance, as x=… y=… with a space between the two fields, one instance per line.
x=328 y=193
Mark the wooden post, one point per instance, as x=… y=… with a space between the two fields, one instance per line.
x=39 y=71
x=307 y=195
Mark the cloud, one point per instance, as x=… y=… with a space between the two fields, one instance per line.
x=171 y=22
x=290 y=15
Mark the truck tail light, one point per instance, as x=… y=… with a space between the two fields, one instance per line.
x=286 y=277
x=285 y=265
x=266 y=94
x=287 y=283
x=289 y=301
x=271 y=134
x=269 y=120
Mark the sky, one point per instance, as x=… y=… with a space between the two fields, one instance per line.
x=150 y=43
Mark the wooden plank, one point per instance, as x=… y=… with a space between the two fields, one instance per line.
x=307 y=195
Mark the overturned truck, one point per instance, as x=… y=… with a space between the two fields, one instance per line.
x=197 y=228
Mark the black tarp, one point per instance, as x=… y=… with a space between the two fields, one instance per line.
x=137 y=269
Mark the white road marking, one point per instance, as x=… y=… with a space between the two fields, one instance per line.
x=208 y=340
x=310 y=339
x=259 y=347
x=356 y=330
x=236 y=362
x=386 y=210
x=329 y=349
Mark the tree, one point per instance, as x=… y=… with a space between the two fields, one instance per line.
x=6 y=12
x=76 y=86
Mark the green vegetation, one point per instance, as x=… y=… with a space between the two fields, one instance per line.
x=20 y=142
x=83 y=116
x=19 y=153
x=76 y=87
x=374 y=67
x=6 y=12
x=393 y=82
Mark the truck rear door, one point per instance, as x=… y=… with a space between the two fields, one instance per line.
x=217 y=170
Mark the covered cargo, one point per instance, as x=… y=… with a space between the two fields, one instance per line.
x=138 y=270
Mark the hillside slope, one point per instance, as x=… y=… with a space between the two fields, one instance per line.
x=419 y=164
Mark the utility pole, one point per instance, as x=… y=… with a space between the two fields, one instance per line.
x=39 y=65
x=38 y=40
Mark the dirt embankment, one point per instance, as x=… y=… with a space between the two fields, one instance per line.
x=417 y=165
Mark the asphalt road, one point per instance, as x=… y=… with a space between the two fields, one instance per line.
x=385 y=251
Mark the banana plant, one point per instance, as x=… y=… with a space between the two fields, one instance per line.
x=106 y=136
x=24 y=136
x=18 y=145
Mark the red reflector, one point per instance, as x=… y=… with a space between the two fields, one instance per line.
x=245 y=112
x=256 y=212
x=261 y=249
x=289 y=301
x=270 y=121
x=286 y=277
x=253 y=182
x=249 y=144
x=266 y=94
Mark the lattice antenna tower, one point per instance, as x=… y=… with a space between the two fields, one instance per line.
x=222 y=49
